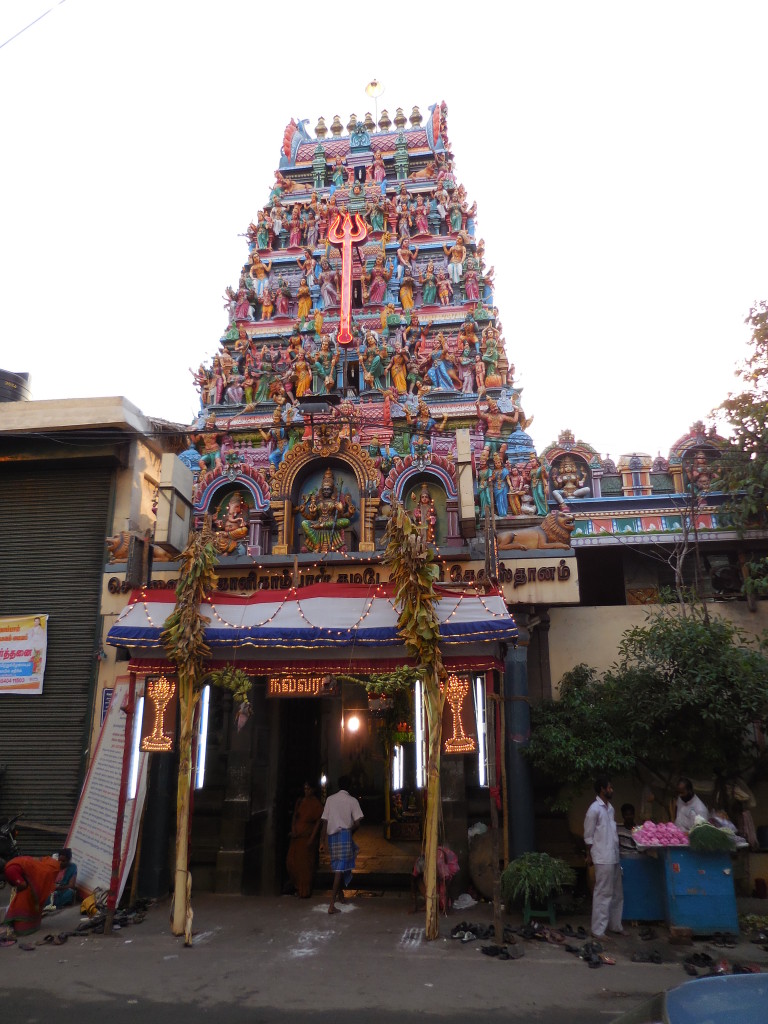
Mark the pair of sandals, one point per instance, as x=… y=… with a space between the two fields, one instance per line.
x=53 y=940
x=724 y=939
x=654 y=957
x=502 y=953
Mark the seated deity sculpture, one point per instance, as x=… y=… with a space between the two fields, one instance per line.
x=326 y=513
x=570 y=481
x=231 y=525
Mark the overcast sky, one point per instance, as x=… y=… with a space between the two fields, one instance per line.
x=617 y=152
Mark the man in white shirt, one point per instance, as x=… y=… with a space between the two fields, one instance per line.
x=602 y=840
x=688 y=806
x=341 y=817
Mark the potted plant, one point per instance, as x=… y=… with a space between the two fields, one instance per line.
x=534 y=879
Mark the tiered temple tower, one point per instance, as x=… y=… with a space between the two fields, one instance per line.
x=362 y=335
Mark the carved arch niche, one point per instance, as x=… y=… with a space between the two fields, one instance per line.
x=303 y=468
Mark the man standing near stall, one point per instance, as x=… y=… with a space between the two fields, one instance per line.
x=602 y=841
x=688 y=806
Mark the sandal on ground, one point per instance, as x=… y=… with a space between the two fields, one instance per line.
x=690 y=969
x=606 y=959
x=45 y=941
x=26 y=947
x=729 y=941
x=7 y=940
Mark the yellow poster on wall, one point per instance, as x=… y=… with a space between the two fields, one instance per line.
x=23 y=645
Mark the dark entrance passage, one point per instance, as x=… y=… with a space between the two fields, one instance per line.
x=300 y=761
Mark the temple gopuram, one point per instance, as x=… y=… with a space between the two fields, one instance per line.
x=362 y=363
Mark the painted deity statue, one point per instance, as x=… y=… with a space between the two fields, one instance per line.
x=494 y=421
x=422 y=424
x=428 y=285
x=485 y=486
x=444 y=288
x=570 y=481
x=324 y=364
x=456 y=255
x=231 y=525
x=398 y=368
x=377 y=212
x=277 y=438
x=373 y=363
x=326 y=513
x=441 y=373
x=424 y=514
x=500 y=486
x=305 y=300
x=539 y=484
x=329 y=283
x=491 y=356
x=379 y=278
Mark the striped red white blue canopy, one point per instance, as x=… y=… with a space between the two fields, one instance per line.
x=331 y=616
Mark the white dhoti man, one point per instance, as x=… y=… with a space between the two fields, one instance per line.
x=602 y=839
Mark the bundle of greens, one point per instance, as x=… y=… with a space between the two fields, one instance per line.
x=707 y=838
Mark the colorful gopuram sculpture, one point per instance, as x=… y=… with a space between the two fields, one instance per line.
x=361 y=335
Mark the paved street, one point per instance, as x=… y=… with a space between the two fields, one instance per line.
x=279 y=959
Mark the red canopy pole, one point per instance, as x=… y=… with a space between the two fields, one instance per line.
x=114 y=883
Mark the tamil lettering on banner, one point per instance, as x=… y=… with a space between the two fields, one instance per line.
x=23 y=646
x=301 y=686
x=92 y=835
x=549 y=579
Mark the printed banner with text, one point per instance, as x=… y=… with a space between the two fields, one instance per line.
x=23 y=644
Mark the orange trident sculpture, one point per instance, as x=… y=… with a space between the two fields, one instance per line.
x=341 y=233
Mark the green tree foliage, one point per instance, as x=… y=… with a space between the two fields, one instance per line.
x=684 y=697
x=744 y=469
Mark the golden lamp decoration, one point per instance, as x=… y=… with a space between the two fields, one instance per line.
x=159 y=691
x=456 y=692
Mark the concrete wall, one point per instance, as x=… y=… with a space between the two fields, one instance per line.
x=592 y=635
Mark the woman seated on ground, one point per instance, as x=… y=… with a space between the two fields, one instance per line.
x=66 y=881
x=33 y=879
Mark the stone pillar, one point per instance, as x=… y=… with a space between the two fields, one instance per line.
x=519 y=807
x=236 y=809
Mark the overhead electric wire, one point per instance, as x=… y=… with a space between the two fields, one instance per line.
x=39 y=18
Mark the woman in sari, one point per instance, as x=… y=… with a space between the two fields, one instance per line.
x=302 y=851
x=33 y=879
x=65 y=887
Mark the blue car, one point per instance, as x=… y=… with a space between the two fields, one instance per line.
x=724 y=999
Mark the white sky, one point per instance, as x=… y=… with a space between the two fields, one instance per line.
x=617 y=153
